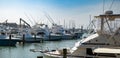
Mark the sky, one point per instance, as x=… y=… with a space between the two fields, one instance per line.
x=68 y=13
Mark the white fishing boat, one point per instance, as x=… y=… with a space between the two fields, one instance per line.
x=42 y=31
x=67 y=36
x=5 y=38
x=105 y=43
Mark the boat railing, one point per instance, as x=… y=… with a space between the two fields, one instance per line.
x=117 y=32
x=105 y=32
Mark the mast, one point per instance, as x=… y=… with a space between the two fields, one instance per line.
x=102 y=24
x=64 y=23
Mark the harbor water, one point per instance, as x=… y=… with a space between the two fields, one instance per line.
x=23 y=51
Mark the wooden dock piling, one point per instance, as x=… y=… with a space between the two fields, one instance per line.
x=23 y=39
x=35 y=36
x=65 y=53
x=39 y=56
x=10 y=39
x=49 y=36
x=41 y=40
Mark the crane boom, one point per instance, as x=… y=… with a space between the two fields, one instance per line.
x=24 y=22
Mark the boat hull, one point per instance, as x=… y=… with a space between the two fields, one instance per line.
x=8 y=42
x=61 y=56
x=67 y=37
x=53 y=38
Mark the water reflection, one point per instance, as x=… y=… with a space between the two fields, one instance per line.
x=21 y=51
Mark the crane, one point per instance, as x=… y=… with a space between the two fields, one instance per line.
x=24 y=22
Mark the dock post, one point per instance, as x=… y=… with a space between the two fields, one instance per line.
x=23 y=39
x=10 y=40
x=35 y=36
x=41 y=40
x=65 y=53
x=49 y=36
x=39 y=56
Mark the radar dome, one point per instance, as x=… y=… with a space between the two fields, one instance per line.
x=109 y=12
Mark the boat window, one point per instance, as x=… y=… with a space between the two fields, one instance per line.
x=88 y=57
x=40 y=33
x=96 y=40
x=89 y=51
x=2 y=33
x=106 y=55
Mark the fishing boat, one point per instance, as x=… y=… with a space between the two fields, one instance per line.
x=43 y=32
x=8 y=40
x=105 y=43
x=5 y=38
x=24 y=33
x=56 y=32
x=78 y=34
x=67 y=36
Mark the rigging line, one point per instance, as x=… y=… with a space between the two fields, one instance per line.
x=118 y=5
x=108 y=25
x=48 y=16
x=111 y=4
x=93 y=23
x=39 y=20
x=103 y=5
x=28 y=18
x=33 y=18
x=49 y=19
